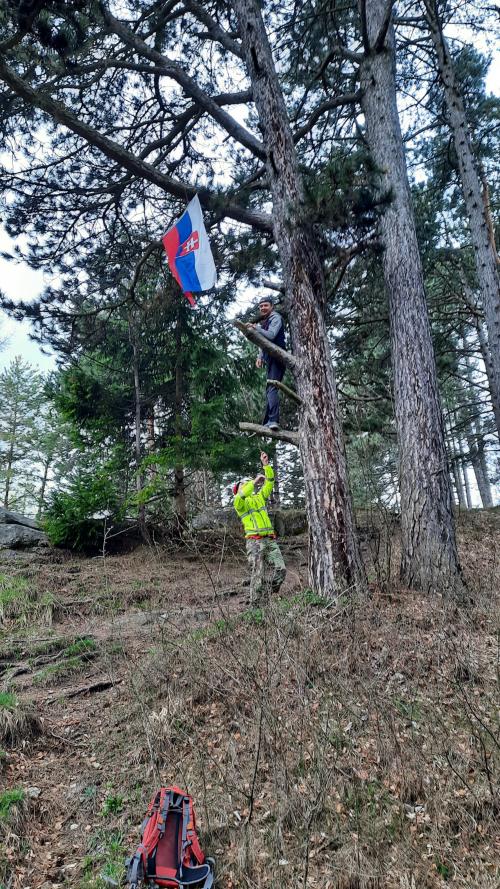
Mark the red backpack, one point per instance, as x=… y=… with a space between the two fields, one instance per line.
x=169 y=853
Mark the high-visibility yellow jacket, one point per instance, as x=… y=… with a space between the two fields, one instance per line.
x=251 y=507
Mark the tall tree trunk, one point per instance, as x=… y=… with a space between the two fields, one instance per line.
x=150 y=442
x=458 y=484
x=475 y=440
x=9 y=460
x=462 y=464
x=480 y=471
x=429 y=552
x=455 y=468
x=43 y=486
x=468 y=495
x=486 y=495
x=475 y=198
x=335 y=563
x=488 y=363
x=179 y=477
x=141 y=512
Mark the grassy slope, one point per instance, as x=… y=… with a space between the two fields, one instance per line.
x=343 y=746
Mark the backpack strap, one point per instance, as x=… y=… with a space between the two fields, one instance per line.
x=184 y=846
x=136 y=870
x=192 y=836
x=163 y=806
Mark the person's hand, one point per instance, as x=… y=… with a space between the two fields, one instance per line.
x=259 y=479
x=264 y=459
x=250 y=325
x=259 y=363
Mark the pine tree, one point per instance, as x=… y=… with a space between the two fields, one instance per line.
x=21 y=397
x=429 y=553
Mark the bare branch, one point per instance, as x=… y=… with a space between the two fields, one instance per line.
x=254 y=336
x=336 y=102
x=274 y=285
x=176 y=72
x=215 y=31
x=286 y=390
x=265 y=432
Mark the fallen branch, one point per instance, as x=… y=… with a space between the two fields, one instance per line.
x=286 y=390
x=103 y=685
x=265 y=432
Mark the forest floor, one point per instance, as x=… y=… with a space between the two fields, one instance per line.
x=346 y=745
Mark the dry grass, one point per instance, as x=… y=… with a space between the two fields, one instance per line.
x=21 y=603
x=18 y=722
x=353 y=746
x=13 y=814
x=349 y=749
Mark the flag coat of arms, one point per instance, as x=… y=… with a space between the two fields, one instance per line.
x=188 y=252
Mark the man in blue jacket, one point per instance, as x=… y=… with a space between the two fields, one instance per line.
x=272 y=327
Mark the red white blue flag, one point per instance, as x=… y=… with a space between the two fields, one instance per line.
x=188 y=252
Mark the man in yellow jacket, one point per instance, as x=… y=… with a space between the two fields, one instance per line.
x=264 y=555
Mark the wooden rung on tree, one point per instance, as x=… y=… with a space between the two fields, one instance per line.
x=286 y=390
x=279 y=434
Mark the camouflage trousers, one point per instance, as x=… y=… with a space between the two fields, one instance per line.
x=267 y=568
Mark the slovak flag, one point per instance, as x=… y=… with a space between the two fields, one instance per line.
x=188 y=252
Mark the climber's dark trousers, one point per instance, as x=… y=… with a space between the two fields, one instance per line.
x=275 y=371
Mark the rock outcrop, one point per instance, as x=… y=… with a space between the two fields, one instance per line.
x=20 y=532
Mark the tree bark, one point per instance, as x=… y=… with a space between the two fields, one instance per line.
x=480 y=471
x=335 y=563
x=455 y=467
x=475 y=198
x=459 y=485
x=429 y=553
x=476 y=442
x=468 y=495
x=490 y=374
x=41 y=495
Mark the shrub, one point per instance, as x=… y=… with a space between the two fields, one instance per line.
x=71 y=520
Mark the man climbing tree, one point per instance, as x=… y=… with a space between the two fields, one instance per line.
x=264 y=555
x=271 y=326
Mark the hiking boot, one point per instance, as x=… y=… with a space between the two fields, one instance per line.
x=273 y=425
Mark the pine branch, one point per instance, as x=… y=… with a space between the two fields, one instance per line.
x=255 y=337
x=172 y=69
x=214 y=30
x=125 y=158
x=364 y=27
x=337 y=102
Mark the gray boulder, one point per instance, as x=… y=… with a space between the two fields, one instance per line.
x=21 y=537
x=15 y=518
x=287 y=522
x=215 y=517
